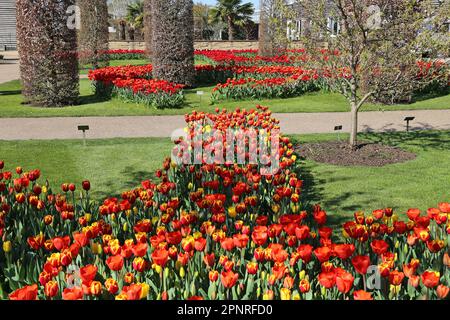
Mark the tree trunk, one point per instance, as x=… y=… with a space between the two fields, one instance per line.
x=230 y=29
x=148 y=27
x=354 y=125
x=93 y=36
x=173 y=41
x=48 y=52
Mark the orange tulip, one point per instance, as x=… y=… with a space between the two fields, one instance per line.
x=396 y=277
x=25 y=293
x=430 y=279
x=444 y=207
x=362 y=295
x=75 y=293
x=414 y=281
x=229 y=279
x=213 y=275
x=133 y=292
x=442 y=291
x=115 y=263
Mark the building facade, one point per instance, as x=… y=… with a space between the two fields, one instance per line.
x=8 y=39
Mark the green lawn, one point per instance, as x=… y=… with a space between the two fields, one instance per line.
x=90 y=105
x=119 y=164
x=420 y=183
x=112 y=166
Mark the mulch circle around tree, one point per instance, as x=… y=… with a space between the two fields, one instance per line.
x=366 y=154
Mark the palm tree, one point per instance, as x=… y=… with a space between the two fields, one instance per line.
x=233 y=13
x=135 y=14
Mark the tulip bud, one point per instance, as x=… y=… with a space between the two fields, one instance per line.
x=323 y=291
x=7 y=246
x=125 y=227
x=182 y=272
x=302 y=274
x=166 y=272
x=96 y=248
x=145 y=289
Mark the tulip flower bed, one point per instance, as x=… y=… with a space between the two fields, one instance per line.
x=133 y=84
x=269 y=88
x=212 y=231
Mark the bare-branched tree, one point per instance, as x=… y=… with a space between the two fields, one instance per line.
x=274 y=19
x=372 y=48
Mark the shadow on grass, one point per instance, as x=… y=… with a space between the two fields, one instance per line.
x=92 y=99
x=313 y=186
x=10 y=92
x=415 y=139
x=133 y=179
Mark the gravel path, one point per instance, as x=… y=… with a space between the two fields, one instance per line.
x=164 y=126
x=9 y=66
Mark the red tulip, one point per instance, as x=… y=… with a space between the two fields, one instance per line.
x=327 y=279
x=361 y=264
x=344 y=281
x=344 y=251
x=305 y=252
x=413 y=214
x=140 y=249
x=379 y=246
x=112 y=286
x=323 y=254
x=86 y=185
x=304 y=286
x=160 y=257
x=25 y=293
x=51 y=289
x=87 y=274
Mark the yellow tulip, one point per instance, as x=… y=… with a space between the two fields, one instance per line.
x=7 y=246
x=145 y=288
x=285 y=294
